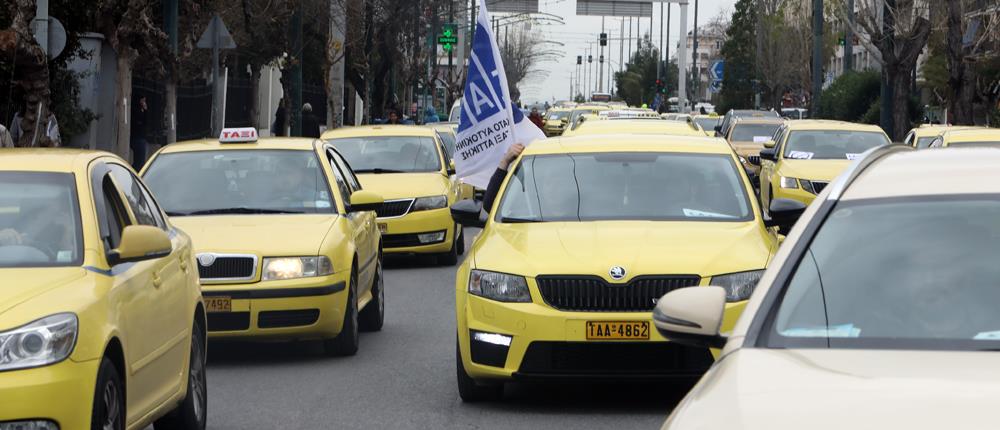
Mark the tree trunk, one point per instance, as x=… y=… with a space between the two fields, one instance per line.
x=901 y=102
x=255 y=97
x=123 y=102
x=960 y=79
x=170 y=110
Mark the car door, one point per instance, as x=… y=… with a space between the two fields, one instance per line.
x=361 y=224
x=170 y=289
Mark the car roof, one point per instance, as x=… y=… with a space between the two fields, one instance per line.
x=379 y=130
x=47 y=159
x=629 y=143
x=944 y=171
x=295 y=143
x=972 y=134
x=758 y=120
x=825 y=124
x=933 y=130
x=645 y=126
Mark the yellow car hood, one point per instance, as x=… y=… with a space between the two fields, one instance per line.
x=641 y=247
x=747 y=148
x=778 y=389
x=393 y=186
x=814 y=170
x=23 y=284
x=269 y=235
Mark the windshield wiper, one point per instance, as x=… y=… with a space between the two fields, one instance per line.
x=378 y=170
x=514 y=220
x=176 y=213
x=242 y=210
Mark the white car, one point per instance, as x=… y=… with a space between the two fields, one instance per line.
x=878 y=312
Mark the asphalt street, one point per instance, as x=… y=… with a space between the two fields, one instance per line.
x=404 y=377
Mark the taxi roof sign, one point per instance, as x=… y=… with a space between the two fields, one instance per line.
x=238 y=135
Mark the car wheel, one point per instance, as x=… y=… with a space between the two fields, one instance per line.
x=109 y=399
x=449 y=258
x=373 y=315
x=468 y=389
x=192 y=413
x=461 y=239
x=346 y=343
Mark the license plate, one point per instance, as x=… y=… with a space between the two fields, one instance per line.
x=617 y=330
x=382 y=227
x=219 y=304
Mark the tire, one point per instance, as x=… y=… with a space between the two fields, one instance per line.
x=468 y=389
x=346 y=343
x=192 y=413
x=372 y=316
x=449 y=258
x=109 y=399
x=461 y=239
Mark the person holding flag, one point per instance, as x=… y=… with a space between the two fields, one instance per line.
x=489 y=125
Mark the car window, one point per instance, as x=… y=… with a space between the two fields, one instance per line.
x=926 y=278
x=448 y=140
x=759 y=133
x=138 y=199
x=114 y=218
x=339 y=181
x=39 y=220
x=389 y=154
x=352 y=179
x=831 y=144
x=625 y=186
x=239 y=181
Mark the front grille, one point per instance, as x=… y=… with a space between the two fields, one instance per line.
x=226 y=267
x=275 y=319
x=394 y=208
x=228 y=321
x=590 y=293
x=614 y=359
x=818 y=186
x=754 y=159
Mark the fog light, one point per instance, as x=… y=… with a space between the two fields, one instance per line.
x=29 y=425
x=435 y=237
x=489 y=349
x=496 y=339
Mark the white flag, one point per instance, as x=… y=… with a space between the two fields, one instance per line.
x=489 y=124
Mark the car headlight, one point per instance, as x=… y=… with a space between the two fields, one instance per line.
x=499 y=286
x=43 y=342
x=428 y=203
x=295 y=267
x=789 y=182
x=739 y=286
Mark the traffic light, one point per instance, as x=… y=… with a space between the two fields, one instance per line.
x=579 y=60
x=601 y=60
x=604 y=39
x=661 y=87
x=590 y=58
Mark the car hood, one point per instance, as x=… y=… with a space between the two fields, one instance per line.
x=22 y=284
x=841 y=389
x=814 y=170
x=392 y=186
x=257 y=234
x=745 y=148
x=641 y=247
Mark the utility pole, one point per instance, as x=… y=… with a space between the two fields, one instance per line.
x=695 y=62
x=295 y=110
x=682 y=62
x=621 y=46
x=170 y=86
x=659 y=55
x=849 y=38
x=630 y=39
x=451 y=73
x=600 y=61
x=817 y=60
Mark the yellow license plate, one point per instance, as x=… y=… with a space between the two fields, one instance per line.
x=617 y=330
x=219 y=304
x=382 y=227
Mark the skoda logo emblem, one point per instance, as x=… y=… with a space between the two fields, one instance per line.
x=617 y=272
x=206 y=260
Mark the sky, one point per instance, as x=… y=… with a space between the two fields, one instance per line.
x=577 y=32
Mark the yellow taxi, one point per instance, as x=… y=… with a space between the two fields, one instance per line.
x=805 y=155
x=584 y=109
x=972 y=136
x=447 y=133
x=556 y=120
x=585 y=235
x=285 y=236
x=101 y=317
x=655 y=126
x=407 y=166
x=747 y=136
x=708 y=122
x=921 y=136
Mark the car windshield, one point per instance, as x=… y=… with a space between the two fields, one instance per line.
x=926 y=278
x=389 y=154
x=448 y=139
x=239 y=181
x=708 y=123
x=625 y=186
x=39 y=220
x=558 y=115
x=758 y=133
x=925 y=142
x=831 y=144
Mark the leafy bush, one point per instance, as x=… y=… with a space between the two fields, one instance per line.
x=851 y=97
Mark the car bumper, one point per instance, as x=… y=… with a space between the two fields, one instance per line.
x=288 y=310
x=552 y=132
x=62 y=393
x=402 y=234
x=545 y=343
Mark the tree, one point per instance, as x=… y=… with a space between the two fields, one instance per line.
x=739 y=69
x=962 y=55
x=521 y=51
x=850 y=96
x=637 y=83
x=31 y=64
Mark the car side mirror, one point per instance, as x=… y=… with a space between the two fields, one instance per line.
x=468 y=213
x=770 y=143
x=692 y=316
x=362 y=201
x=718 y=128
x=769 y=154
x=140 y=243
x=784 y=214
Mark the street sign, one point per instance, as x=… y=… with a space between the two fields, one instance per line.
x=715 y=86
x=225 y=40
x=614 y=8
x=716 y=70
x=449 y=37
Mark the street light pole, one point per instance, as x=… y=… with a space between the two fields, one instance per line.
x=817 y=60
x=695 y=63
x=600 y=63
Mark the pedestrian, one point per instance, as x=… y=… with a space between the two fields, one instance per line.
x=5 y=140
x=310 y=125
x=280 y=124
x=393 y=117
x=137 y=142
x=430 y=115
x=703 y=111
x=536 y=118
